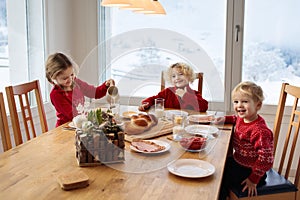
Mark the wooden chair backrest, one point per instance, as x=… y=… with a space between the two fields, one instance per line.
x=23 y=91
x=199 y=76
x=6 y=141
x=288 y=155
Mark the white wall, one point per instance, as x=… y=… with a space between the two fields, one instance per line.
x=71 y=28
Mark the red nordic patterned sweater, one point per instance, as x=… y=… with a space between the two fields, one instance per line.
x=65 y=102
x=191 y=100
x=253 y=145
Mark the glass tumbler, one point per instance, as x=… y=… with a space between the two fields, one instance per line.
x=159 y=107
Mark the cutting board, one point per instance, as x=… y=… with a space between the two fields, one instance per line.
x=162 y=128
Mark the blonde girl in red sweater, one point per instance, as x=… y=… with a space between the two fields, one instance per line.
x=252 y=142
x=69 y=91
x=180 y=95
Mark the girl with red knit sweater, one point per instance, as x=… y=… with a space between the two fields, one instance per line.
x=69 y=91
x=252 y=142
x=180 y=96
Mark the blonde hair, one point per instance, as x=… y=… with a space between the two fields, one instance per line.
x=56 y=63
x=249 y=89
x=182 y=67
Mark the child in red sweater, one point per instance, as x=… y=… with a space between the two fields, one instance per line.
x=181 y=96
x=69 y=91
x=252 y=142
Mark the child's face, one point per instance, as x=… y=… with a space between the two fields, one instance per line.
x=246 y=107
x=65 y=78
x=179 y=79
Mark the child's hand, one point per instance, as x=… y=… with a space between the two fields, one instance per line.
x=250 y=186
x=144 y=106
x=180 y=92
x=109 y=82
x=219 y=120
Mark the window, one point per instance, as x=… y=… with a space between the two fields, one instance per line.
x=4 y=70
x=140 y=46
x=24 y=45
x=261 y=45
x=271 y=45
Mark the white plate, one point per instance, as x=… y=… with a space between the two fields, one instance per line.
x=72 y=125
x=161 y=143
x=191 y=168
x=201 y=118
x=128 y=114
x=202 y=130
x=170 y=113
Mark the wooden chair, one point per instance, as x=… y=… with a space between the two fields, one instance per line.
x=5 y=137
x=278 y=187
x=199 y=76
x=23 y=91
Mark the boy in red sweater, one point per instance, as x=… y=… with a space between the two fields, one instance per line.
x=252 y=142
x=181 y=96
x=68 y=91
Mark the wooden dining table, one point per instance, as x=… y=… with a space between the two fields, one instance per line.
x=30 y=171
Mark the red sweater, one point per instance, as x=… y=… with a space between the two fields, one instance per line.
x=191 y=100
x=253 y=145
x=65 y=102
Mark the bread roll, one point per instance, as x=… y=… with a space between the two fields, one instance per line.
x=140 y=123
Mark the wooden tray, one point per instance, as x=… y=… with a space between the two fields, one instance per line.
x=162 y=128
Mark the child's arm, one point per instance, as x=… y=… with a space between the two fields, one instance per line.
x=148 y=102
x=92 y=91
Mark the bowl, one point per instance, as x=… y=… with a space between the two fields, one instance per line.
x=194 y=143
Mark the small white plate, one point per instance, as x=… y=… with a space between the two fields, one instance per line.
x=202 y=130
x=128 y=114
x=191 y=168
x=72 y=125
x=204 y=119
x=170 y=113
x=161 y=143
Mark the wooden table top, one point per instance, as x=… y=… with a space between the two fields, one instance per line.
x=30 y=171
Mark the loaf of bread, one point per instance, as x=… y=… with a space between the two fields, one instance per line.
x=140 y=123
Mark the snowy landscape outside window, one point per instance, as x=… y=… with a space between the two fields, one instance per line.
x=272 y=45
x=270 y=48
x=188 y=20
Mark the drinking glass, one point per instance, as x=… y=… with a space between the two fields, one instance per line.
x=179 y=121
x=159 y=107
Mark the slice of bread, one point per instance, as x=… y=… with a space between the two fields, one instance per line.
x=73 y=180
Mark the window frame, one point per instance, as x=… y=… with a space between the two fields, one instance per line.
x=26 y=42
x=233 y=54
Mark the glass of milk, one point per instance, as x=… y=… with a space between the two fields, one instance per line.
x=179 y=124
x=159 y=107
